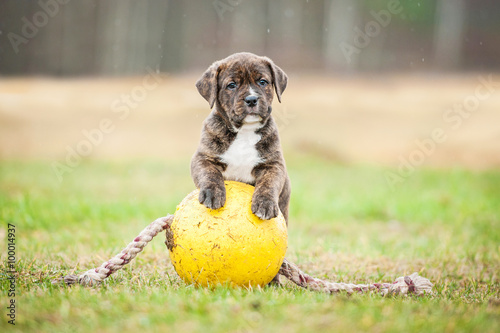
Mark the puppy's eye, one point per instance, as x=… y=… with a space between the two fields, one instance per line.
x=263 y=83
x=231 y=86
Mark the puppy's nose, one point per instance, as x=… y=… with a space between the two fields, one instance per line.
x=251 y=100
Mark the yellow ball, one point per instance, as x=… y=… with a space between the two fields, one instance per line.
x=229 y=245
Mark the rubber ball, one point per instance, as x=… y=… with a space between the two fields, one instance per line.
x=228 y=246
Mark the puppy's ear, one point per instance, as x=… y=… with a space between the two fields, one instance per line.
x=279 y=78
x=207 y=84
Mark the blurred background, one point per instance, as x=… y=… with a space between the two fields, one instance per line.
x=369 y=81
x=123 y=37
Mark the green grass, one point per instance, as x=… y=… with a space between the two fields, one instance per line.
x=346 y=225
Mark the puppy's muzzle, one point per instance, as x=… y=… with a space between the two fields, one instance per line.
x=251 y=100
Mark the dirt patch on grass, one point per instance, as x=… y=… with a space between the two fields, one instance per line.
x=381 y=120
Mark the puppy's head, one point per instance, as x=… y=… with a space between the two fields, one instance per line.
x=242 y=87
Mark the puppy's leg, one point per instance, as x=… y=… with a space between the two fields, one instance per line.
x=272 y=193
x=207 y=176
x=284 y=199
x=269 y=181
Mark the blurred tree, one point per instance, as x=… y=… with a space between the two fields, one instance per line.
x=125 y=37
x=341 y=18
x=78 y=39
x=449 y=35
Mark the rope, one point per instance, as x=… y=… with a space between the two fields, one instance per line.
x=408 y=284
x=97 y=275
x=414 y=283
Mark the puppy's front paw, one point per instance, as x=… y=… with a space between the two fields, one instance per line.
x=265 y=208
x=213 y=197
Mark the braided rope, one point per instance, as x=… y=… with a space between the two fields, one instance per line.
x=97 y=275
x=403 y=285
x=413 y=283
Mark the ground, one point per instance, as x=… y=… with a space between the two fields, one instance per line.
x=78 y=188
x=369 y=119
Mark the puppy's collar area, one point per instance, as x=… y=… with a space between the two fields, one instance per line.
x=251 y=123
x=252 y=119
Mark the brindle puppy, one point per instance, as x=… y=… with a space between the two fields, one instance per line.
x=239 y=140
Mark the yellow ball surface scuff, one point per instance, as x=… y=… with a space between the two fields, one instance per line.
x=229 y=245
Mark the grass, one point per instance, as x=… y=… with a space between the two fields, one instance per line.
x=346 y=224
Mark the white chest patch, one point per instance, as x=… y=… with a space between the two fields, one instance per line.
x=242 y=155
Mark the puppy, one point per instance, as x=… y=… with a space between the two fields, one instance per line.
x=239 y=139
